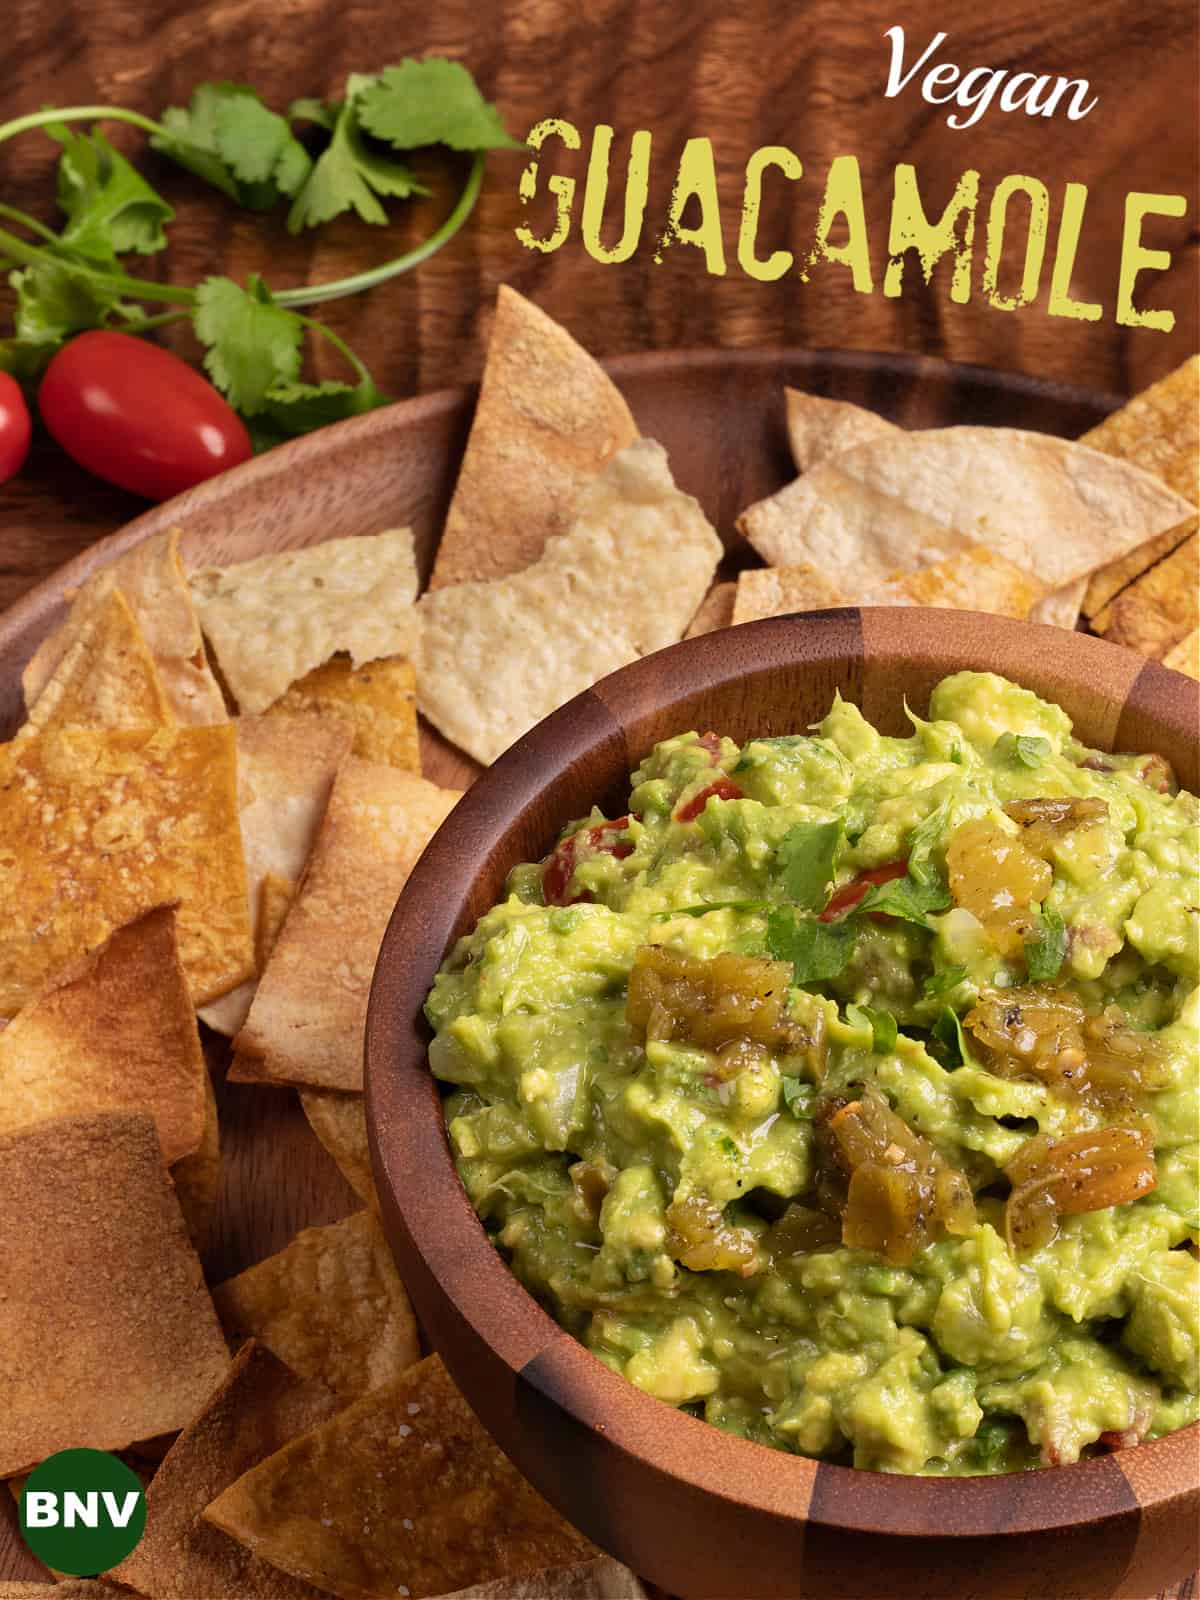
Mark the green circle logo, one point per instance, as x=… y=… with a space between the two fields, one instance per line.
x=82 y=1512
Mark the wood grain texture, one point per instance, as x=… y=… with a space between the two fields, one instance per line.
x=809 y=76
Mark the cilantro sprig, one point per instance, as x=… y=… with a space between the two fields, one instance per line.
x=323 y=158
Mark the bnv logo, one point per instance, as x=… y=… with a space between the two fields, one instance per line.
x=82 y=1511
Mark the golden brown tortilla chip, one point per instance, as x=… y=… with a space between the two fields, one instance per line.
x=547 y=420
x=97 y=826
x=716 y=611
x=1053 y=508
x=286 y=768
x=1183 y=657
x=106 y=677
x=1160 y=608
x=115 y=1031
x=402 y=1491
x=340 y=1123
x=275 y=896
x=306 y=1022
x=776 y=591
x=378 y=700
x=819 y=427
x=330 y=1305
x=152 y=579
x=602 y=1579
x=625 y=580
x=256 y=1409
x=109 y=1332
x=273 y=619
x=67 y=1588
x=197 y=1178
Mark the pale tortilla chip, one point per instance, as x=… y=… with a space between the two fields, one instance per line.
x=1060 y=607
x=603 y=1579
x=1053 y=508
x=152 y=579
x=340 y=1123
x=275 y=896
x=106 y=677
x=625 y=580
x=1183 y=657
x=819 y=428
x=330 y=1305
x=257 y=1408
x=306 y=1022
x=1160 y=608
x=716 y=611
x=401 y=1491
x=286 y=768
x=378 y=700
x=97 y=826
x=197 y=1178
x=548 y=419
x=113 y=1032
x=273 y=619
x=109 y=1332
x=776 y=591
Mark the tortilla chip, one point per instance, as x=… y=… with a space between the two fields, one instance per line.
x=1060 y=607
x=105 y=679
x=197 y=1178
x=109 y=1332
x=548 y=419
x=776 y=591
x=306 y=1022
x=716 y=611
x=976 y=579
x=67 y=1588
x=1160 y=608
x=97 y=826
x=113 y=1032
x=275 y=896
x=1053 y=508
x=602 y=1579
x=273 y=619
x=1183 y=657
x=152 y=580
x=402 y=1491
x=819 y=428
x=340 y=1123
x=286 y=768
x=625 y=580
x=257 y=1408
x=378 y=700
x=330 y=1305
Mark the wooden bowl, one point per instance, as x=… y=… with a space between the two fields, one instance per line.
x=698 y=1511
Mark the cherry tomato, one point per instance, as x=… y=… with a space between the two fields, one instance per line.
x=723 y=788
x=138 y=416
x=851 y=893
x=15 y=427
x=560 y=865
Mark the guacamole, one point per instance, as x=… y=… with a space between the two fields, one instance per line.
x=844 y=1091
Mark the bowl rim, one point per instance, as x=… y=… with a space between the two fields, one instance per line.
x=424 y=1198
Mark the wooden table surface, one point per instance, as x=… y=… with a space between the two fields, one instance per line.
x=807 y=75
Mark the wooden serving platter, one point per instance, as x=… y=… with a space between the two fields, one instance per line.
x=720 y=415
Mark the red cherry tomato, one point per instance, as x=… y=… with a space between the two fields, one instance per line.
x=136 y=415
x=15 y=427
x=851 y=893
x=723 y=788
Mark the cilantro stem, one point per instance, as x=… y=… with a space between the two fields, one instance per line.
x=32 y=255
x=32 y=223
x=315 y=294
x=338 y=344
x=45 y=119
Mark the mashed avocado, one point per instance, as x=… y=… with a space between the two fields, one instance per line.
x=844 y=1091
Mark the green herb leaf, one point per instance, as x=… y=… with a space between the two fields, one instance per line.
x=1045 y=951
x=805 y=860
x=921 y=844
x=228 y=137
x=434 y=101
x=1022 y=749
x=799 y=1098
x=943 y=982
x=53 y=303
x=251 y=345
x=991 y=1443
x=297 y=408
x=711 y=905
x=882 y=1024
x=907 y=899
x=817 y=950
x=348 y=175
x=948 y=1033
x=109 y=207
x=323 y=112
